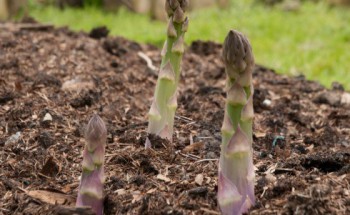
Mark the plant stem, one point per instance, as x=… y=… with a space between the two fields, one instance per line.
x=92 y=179
x=236 y=170
x=162 y=112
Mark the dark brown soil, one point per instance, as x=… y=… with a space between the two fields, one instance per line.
x=53 y=80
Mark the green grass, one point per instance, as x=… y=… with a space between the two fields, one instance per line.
x=314 y=41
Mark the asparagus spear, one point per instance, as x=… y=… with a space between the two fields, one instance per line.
x=236 y=169
x=162 y=112
x=92 y=179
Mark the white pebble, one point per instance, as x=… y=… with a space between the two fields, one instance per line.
x=47 y=117
x=267 y=102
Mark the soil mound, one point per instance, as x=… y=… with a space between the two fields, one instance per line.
x=53 y=80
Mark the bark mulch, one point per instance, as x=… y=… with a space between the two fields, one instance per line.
x=53 y=80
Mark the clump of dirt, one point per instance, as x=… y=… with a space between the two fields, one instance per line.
x=53 y=80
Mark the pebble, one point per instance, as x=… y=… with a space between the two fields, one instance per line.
x=199 y=179
x=267 y=102
x=47 y=117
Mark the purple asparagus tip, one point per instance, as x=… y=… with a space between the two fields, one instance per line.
x=92 y=180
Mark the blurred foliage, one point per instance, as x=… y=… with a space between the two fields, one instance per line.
x=93 y=3
x=312 y=40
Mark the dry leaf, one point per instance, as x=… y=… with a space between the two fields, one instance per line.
x=137 y=196
x=152 y=190
x=51 y=197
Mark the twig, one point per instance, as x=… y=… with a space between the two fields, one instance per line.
x=148 y=61
x=205 y=137
x=4 y=209
x=184 y=118
x=188 y=155
x=263 y=193
x=205 y=160
x=45 y=176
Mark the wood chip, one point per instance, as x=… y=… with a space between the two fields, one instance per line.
x=199 y=179
x=193 y=147
x=53 y=198
x=163 y=178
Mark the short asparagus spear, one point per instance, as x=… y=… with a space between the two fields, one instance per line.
x=162 y=112
x=236 y=170
x=92 y=179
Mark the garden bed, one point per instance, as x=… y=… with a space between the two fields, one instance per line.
x=53 y=80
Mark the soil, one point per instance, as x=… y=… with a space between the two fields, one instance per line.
x=53 y=80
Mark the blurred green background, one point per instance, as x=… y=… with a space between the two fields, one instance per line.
x=313 y=39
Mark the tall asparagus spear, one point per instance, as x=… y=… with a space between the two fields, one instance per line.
x=162 y=112
x=236 y=169
x=92 y=179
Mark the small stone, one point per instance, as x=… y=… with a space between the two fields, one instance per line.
x=47 y=117
x=267 y=102
x=199 y=179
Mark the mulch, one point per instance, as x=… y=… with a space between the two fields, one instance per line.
x=52 y=80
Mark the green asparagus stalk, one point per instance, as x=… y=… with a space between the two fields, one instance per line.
x=236 y=169
x=92 y=179
x=162 y=112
